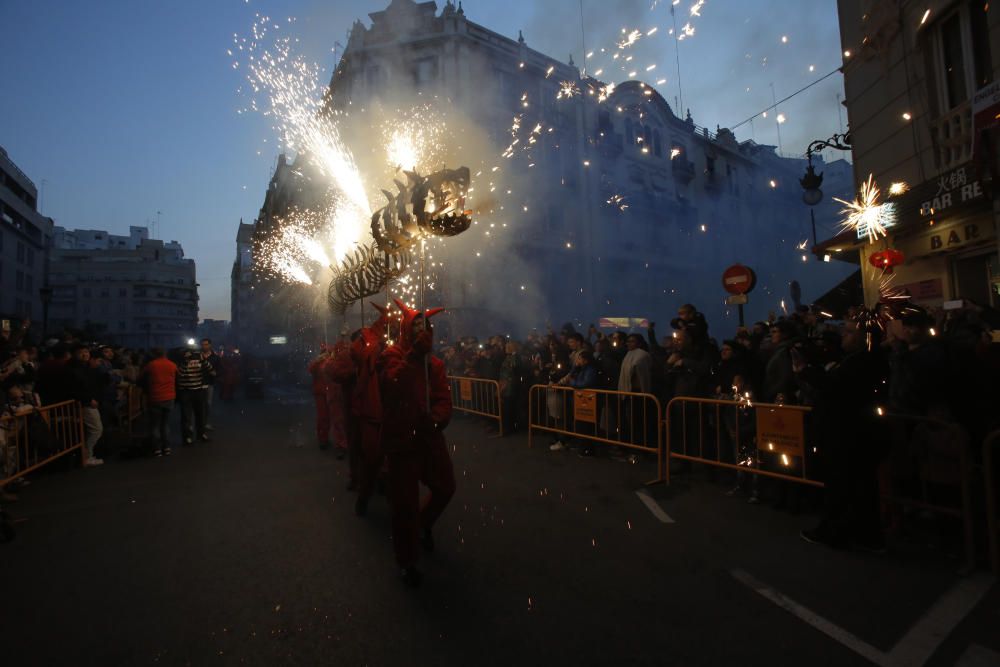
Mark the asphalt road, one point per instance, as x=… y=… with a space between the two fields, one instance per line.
x=247 y=551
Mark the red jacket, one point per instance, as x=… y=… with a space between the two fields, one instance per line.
x=318 y=376
x=162 y=377
x=408 y=424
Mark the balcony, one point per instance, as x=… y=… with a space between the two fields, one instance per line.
x=683 y=169
x=951 y=136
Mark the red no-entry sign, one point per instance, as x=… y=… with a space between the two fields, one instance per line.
x=739 y=279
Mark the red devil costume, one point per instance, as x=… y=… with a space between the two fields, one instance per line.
x=320 y=390
x=417 y=407
x=357 y=374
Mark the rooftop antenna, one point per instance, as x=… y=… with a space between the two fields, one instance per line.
x=677 y=56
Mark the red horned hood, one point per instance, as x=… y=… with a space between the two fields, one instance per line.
x=407 y=340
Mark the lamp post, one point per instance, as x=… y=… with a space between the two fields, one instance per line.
x=812 y=182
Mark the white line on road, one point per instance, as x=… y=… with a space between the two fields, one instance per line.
x=654 y=507
x=912 y=650
x=934 y=627
x=859 y=646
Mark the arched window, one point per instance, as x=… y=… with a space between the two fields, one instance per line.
x=657 y=144
x=629 y=135
x=647 y=136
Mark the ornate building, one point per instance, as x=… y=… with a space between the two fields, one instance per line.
x=623 y=208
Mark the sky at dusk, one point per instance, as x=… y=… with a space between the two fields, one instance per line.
x=128 y=107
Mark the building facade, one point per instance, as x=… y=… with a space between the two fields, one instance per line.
x=131 y=290
x=623 y=207
x=923 y=102
x=25 y=235
x=242 y=325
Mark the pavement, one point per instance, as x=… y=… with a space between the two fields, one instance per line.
x=247 y=551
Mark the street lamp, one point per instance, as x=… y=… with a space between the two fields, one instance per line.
x=812 y=182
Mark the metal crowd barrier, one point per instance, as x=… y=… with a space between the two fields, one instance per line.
x=30 y=441
x=131 y=408
x=756 y=438
x=991 y=499
x=477 y=396
x=936 y=454
x=625 y=419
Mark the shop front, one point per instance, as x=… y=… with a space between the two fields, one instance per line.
x=941 y=244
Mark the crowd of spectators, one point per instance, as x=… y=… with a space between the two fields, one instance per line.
x=35 y=374
x=851 y=373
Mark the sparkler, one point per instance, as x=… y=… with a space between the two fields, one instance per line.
x=866 y=214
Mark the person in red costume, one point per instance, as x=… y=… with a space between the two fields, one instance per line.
x=417 y=408
x=357 y=374
x=319 y=390
x=335 y=401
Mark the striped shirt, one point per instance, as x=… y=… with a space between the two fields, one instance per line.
x=189 y=373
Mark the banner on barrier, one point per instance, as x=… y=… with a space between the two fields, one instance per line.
x=781 y=430
x=465 y=390
x=585 y=406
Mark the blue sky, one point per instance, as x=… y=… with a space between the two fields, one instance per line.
x=128 y=107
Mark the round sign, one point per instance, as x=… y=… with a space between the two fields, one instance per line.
x=739 y=279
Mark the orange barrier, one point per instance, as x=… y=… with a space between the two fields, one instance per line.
x=477 y=396
x=131 y=408
x=739 y=433
x=32 y=440
x=624 y=419
x=991 y=499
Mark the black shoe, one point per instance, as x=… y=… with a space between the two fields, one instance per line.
x=427 y=540
x=815 y=536
x=341 y=454
x=324 y=446
x=204 y=437
x=157 y=453
x=167 y=451
x=411 y=576
x=361 y=506
x=586 y=450
x=188 y=441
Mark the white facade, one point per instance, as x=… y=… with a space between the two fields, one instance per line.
x=24 y=236
x=129 y=289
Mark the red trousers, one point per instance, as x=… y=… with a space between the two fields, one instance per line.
x=430 y=464
x=322 y=419
x=335 y=400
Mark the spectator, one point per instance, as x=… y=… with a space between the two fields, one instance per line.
x=213 y=364
x=779 y=378
x=84 y=385
x=636 y=368
x=191 y=395
x=512 y=378
x=690 y=320
x=53 y=382
x=160 y=379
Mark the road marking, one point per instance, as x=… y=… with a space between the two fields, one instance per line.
x=859 y=646
x=917 y=646
x=654 y=507
x=978 y=656
x=934 y=626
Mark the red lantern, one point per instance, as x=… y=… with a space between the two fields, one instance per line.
x=886 y=259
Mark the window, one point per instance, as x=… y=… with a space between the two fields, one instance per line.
x=105 y=292
x=122 y=326
x=19 y=281
x=86 y=292
x=425 y=71
x=30 y=257
x=20 y=252
x=29 y=284
x=961 y=58
x=123 y=291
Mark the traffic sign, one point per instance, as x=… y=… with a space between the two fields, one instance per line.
x=739 y=279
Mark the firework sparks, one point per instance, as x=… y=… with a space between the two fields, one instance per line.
x=567 y=89
x=866 y=214
x=619 y=202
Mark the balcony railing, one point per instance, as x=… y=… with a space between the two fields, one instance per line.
x=951 y=136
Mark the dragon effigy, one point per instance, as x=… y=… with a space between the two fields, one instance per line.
x=423 y=207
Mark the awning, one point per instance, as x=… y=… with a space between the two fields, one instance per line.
x=841 y=247
x=849 y=292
